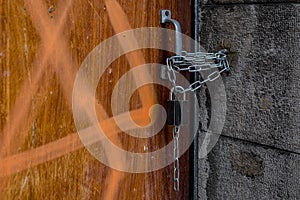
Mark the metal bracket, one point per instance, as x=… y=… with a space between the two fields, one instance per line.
x=166 y=17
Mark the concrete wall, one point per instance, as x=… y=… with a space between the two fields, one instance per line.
x=258 y=154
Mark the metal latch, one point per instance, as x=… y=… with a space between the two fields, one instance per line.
x=166 y=17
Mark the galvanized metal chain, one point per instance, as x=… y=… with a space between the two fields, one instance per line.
x=196 y=62
x=176 y=134
x=192 y=62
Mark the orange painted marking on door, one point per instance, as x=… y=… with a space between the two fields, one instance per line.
x=120 y=23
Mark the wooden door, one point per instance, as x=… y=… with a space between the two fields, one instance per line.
x=43 y=43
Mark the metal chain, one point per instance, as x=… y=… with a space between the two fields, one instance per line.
x=176 y=134
x=192 y=62
x=196 y=62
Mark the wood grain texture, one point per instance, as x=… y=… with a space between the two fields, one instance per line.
x=49 y=44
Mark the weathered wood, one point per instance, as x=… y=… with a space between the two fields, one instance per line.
x=56 y=36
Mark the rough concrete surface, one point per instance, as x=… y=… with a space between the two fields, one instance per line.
x=241 y=170
x=263 y=90
x=248 y=1
x=258 y=156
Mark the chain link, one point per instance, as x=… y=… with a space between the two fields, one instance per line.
x=192 y=62
x=196 y=62
x=176 y=134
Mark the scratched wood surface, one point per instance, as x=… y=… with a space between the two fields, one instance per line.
x=42 y=45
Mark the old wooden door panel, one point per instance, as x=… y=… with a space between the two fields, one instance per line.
x=42 y=46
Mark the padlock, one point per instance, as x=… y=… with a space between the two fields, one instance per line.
x=177 y=111
x=173 y=111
